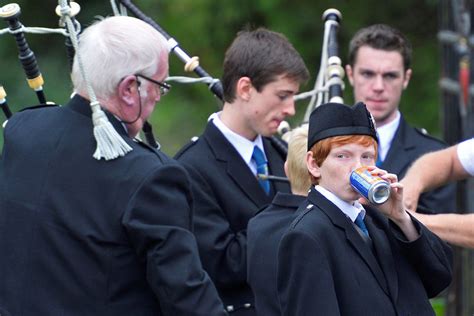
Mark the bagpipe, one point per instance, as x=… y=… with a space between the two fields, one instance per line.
x=328 y=87
x=329 y=84
x=10 y=13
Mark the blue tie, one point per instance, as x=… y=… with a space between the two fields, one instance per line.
x=262 y=168
x=359 y=221
x=379 y=161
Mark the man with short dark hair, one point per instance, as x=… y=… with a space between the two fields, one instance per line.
x=379 y=70
x=262 y=73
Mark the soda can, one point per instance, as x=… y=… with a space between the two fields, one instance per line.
x=373 y=188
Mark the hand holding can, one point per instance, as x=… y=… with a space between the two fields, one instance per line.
x=375 y=189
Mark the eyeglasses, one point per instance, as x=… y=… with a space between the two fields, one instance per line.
x=163 y=86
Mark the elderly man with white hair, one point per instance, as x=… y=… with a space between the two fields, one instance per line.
x=82 y=235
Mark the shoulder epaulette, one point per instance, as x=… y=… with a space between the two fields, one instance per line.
x=191 y=143
x=146 y=146
x=261 y=209
x=39 y=106
x=303 y=213
x=423 y=132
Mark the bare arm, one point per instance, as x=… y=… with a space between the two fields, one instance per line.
x=393 y=208
x=457 y=229
x=431 y=171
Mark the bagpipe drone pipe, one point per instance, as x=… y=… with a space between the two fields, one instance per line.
x=11 y=13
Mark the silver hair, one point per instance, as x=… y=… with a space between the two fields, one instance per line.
x=113 y=48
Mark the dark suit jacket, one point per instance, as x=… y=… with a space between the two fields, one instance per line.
x=264 y=232
x=85 y=237
x=409 y=144
x=325 y=267
x=226 y=196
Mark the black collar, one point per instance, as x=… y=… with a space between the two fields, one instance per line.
x=82 y=106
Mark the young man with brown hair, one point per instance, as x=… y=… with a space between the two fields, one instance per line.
x=262 y=73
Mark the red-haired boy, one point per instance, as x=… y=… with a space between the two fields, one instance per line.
x=386 y=264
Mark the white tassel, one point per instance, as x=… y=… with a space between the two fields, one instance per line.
x=110 y=144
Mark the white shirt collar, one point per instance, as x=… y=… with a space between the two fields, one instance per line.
x=386 y=134
x=351 y=210
x=243 y=146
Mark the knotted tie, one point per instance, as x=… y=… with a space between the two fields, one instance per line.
x=359 y=221
x=262 y=168
x=379 y=161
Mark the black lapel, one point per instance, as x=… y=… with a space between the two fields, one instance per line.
x=145 y=145
x=384 y=255
x=234 y=165
x=403 y=142
x=340 y=220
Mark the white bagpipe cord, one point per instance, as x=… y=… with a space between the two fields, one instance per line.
x=115 y=9
x=110 y=144
x=320 y=87
x=190 y=63
x=329 y=82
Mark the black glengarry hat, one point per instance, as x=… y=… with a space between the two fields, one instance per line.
x=336 y=119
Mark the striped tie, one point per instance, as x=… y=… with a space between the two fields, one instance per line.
x=262 y=168
x=359 y=221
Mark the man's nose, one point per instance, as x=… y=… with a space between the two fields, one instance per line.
x=378 y=83
x=289 y=109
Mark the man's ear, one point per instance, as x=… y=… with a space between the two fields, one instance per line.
x=243 y=88
x=350 y=74
x=313 y=167
x=407 y=78
x=127 y=89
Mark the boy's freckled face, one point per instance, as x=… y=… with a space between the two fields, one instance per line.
x=335 y=170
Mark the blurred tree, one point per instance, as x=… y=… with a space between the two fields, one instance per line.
x=206 y=27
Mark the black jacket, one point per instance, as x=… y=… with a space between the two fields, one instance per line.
x=325 y=266
x=85 y=237
x=226 y=195
x=264 y=232
x=408 y=144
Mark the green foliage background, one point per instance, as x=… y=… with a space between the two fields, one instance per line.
x=206 y=27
